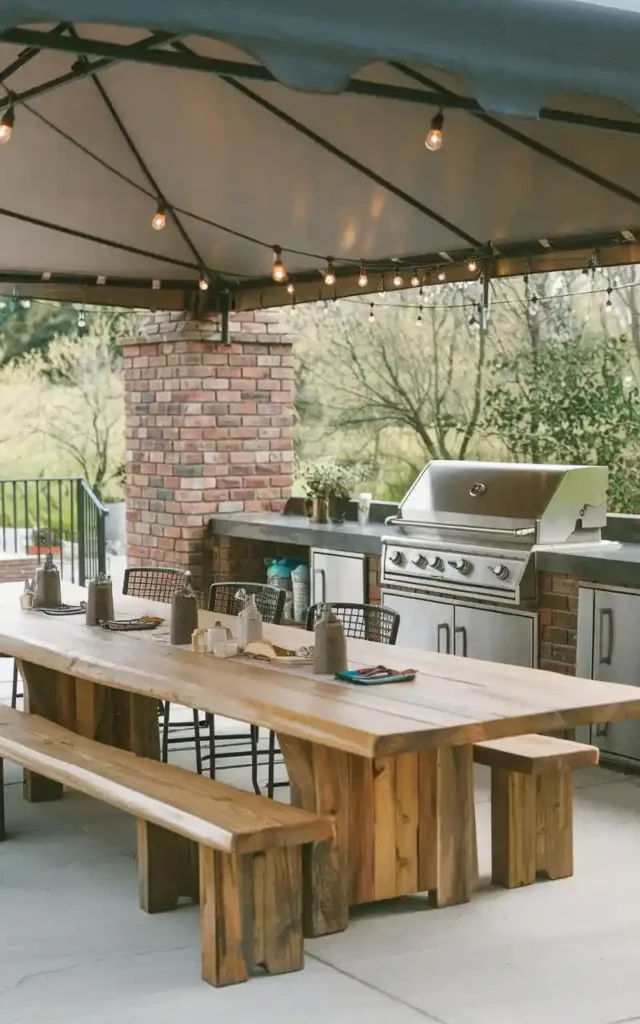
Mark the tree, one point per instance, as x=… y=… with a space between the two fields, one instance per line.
x=32 y=328
x=75 y=404
x=571 y=401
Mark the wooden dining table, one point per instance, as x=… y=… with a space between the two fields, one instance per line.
x=393 y=763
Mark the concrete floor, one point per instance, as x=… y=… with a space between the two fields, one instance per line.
x=75 y=948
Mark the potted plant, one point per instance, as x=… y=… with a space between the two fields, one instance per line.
x=329 y=484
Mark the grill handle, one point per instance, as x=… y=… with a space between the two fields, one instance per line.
x=523 y=531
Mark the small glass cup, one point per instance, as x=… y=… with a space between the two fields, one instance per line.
x=364 y=509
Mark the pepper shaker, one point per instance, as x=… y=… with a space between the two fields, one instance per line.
x=184 y=613
x=99 y=599
x=330 y=654
x=48 y=594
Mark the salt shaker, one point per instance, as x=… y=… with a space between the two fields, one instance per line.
x=184 y=613
x=99 y=599
x=330 y=655
x=48 y=593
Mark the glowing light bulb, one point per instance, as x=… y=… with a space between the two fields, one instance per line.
x=159 y=219
x=329 y=274
x=203 y=283
x=397 y=280
x=434 y=137
x=278 y=270
x=25 y=303
x=415 y=280
x=363 y=280
x=372 y=315
x=442 y=276
x=291 y=287
x=472 y=266
x=7 y=124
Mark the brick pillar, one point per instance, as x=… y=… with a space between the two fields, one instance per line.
x=209 y=428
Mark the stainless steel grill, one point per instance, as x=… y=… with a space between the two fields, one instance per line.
x=471 y=527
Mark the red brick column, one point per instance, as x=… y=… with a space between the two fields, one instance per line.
x=209 y=428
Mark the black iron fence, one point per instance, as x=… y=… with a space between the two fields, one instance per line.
x=60 y=516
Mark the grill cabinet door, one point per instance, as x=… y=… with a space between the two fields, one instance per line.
x=616 y=659
x=425 y=624
x=495 y=635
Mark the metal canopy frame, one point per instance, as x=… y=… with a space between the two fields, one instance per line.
x=230 y=289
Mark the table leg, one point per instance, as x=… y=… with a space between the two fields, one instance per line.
x=404 y=824
x=42 y=691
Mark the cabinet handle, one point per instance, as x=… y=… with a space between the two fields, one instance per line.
x=606 y=616
x=323 y=589
x=462 y=631
x=447 y=632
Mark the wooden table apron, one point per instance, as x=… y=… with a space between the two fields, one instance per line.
x=393 y=766
x=404 y=824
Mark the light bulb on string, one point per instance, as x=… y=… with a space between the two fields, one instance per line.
x=381 y=288
x=442 y=276
x=25 y=303
x=291 y=288
x=372 y=314
x=159 y=219
x=533 y=305
x=363 y=280
x=203 y=283
x=7 y=123
x=415 y=280
x=397 y=279
x=608 y=306
x=329 y=274
x=472 y=266
x=82 y=319
x=434 y=137
x=278 y=270
x=419 y=317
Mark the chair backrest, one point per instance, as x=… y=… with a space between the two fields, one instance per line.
x=269 y=600
x=155 y=582
x=361 y=621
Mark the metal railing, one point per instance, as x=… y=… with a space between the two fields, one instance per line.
x=60 y=516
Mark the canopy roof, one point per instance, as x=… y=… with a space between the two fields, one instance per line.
x=274 y=122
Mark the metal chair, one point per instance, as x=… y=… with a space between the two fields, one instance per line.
x=270 y=603
x=160 y=583
x=361 y=621
x=15 y=696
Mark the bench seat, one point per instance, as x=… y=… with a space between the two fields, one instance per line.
x=238 y=853
x=532 y=805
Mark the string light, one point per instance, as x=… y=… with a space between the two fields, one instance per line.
x=278 y=270
x=7 y=124
x=472 y=266
x=608 y=306
x=82 y=319
x=159 y=219
x=434 y=137
x=442 y=276
x=533 y=305
x=203 y=283
x=415 y=280
x=381 y=288
x=397 y=280
x=329 y=274
x=372 y=314
x=294 y=308
x=363 y=280
x=419 y=317
x=291 y=288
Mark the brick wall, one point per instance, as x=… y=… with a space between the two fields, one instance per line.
x=209 y=427
x=558 y=616
x=238 y=559
x=18 y=568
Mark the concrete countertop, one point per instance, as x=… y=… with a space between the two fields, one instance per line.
x=613 y=563
x=294 y=529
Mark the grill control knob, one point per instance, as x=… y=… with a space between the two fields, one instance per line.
x=500 y=571
x=420 y=561
x=435 y=563
x=462 y=565
x=396 y=557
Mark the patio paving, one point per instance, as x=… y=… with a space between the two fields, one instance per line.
x=75 y=948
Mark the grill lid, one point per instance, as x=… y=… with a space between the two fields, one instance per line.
x=544 y=501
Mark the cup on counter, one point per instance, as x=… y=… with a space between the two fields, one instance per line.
x=217 y=634
x=364 y=509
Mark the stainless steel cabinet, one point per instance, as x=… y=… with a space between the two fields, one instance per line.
x=337 y=577
x=472 y=631
x=609 y=649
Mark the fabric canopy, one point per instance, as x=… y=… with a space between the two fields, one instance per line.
x=264 y=123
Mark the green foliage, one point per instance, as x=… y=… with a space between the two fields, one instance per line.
x=571 y=401
x=329 y=478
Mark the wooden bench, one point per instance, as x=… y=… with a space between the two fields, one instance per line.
x=239 y=853
x=532 y=805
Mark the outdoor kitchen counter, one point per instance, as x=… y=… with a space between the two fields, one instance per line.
x=612 y=563
x=293 y=529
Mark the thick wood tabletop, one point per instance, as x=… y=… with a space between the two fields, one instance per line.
x=452 y=700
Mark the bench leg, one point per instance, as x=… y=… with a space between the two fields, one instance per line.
x=513 y=828
x=554 y=825
x=3 y=831
x=221 y=914
x=167 y=868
